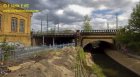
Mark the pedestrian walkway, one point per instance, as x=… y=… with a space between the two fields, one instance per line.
x=134 y=56
x=129 y=62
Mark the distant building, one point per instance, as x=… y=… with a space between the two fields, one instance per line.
x=15 y=27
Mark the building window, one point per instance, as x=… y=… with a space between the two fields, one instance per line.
x=0 y=21
x=14 y=23
x=22 y=25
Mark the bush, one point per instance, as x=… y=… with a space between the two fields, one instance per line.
x=134 y=46
x=6 y=50
x=130 y=39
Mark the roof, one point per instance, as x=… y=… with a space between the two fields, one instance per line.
x=5 y=2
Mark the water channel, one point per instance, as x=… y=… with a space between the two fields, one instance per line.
x=110 y=67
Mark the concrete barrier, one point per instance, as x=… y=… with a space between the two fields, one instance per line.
x=131 y=63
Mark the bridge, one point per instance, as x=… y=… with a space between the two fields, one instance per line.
x=96 y=35
x=80 y=37
x=52 y=38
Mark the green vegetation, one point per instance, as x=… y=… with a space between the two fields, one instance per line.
x=87 y=25
x=6 y=50
x=82 y=69
x=130 y=35
x=80 y=62
x=98 y=70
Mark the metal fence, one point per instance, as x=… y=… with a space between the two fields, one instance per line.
x=20 y=53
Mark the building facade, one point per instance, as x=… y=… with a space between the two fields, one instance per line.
x=15 y=26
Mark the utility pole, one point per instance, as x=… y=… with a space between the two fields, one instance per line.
x=43 y=35
x=107 y=25
x=41 y=25
x=116 y=21
x=47 y=23
x=54 y=28
x=58 y=25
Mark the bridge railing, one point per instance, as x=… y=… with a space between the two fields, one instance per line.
x=100 y=31
x=53 y=33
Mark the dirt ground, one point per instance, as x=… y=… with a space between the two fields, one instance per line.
x=59 y=63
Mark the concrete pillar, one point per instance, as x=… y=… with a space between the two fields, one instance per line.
x=78 y=38
x=75 y=41
x=53 y=41
x=33 y=42
x=43 y=41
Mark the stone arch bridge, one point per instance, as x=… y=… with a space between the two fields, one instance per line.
x=85 y=37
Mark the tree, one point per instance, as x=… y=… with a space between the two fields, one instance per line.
x=124 y=36
x=86 y=25
x=134 y=21
x=130 y=35
x=134 y=24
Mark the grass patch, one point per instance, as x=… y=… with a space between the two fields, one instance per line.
x=98 y=70
x=94 y=69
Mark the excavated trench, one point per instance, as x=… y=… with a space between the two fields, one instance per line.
x=110 y=67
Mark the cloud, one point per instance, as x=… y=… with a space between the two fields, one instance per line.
x=60 y=12
x=69 y=13
x=100 y=19
x=135 y=1
x=80 y=9
x=102 y=7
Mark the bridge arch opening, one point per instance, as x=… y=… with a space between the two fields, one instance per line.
x=98 y=46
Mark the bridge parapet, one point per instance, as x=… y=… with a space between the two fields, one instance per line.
x=100 y=31
x=53 y=33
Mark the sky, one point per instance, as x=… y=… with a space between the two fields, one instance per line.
x=70 y=13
